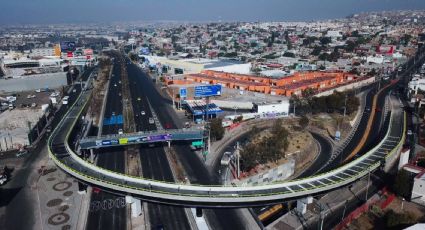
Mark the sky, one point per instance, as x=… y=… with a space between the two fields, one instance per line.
x=80 y=11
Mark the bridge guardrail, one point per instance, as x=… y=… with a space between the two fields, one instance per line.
x=212 y=193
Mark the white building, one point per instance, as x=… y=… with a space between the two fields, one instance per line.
x=417 y=83
x=42 y=52
x=418 y=190
x=278 y=107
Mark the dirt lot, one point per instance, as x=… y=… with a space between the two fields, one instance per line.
x=302 y=146
x=330 y=123
x=99 y=93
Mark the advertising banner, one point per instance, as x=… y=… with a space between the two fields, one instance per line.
x=207 y=90
x=67 y=46
x=123 y=141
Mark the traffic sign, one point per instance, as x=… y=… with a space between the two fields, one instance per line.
x=197 y=143
x=183 y=92
x=207 y=90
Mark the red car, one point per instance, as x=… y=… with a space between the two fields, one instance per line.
x=96 y=190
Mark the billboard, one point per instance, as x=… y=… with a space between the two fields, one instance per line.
x=123 y=141
x=68 y=46
x=159 y=137
x=106 y=142
x=207 y=90
x=88 y=52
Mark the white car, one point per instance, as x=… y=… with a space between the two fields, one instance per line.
x=120 y=131
x=151 y=121
x=143 y=113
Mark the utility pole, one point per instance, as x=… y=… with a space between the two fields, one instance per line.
x=367 y=186
x=238 y=159
x=345 y=105
x=343 y=212
x=173 y=98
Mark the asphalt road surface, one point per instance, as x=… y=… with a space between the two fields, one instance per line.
x=112 y=159
x=18 y=200
x=194 y=167
x=153 y=159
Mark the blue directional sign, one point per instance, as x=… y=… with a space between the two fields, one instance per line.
x=183 y=92
x=207 y=90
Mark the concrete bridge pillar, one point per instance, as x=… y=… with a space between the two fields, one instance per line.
x=91 y=155
x=302 y=204
x=199 y=212
x=136 y=206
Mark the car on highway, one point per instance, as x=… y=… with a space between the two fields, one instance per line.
x=151 y=121
x=21 y=153
x=143 y=112
x=3 y=175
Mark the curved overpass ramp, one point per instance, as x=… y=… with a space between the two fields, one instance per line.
x=216 y=196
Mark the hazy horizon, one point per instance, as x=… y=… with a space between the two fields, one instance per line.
x=97 y=11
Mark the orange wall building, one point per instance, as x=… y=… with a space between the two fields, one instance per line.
x=287 y=85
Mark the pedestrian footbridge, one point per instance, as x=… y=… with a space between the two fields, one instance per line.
x=141 y=138
x=212 y=195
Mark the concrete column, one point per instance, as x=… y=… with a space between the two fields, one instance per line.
x=91 y=155
x=199 y=212
x=302 y=204
x=136 y=206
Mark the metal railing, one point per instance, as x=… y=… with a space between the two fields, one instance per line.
x=208 y=194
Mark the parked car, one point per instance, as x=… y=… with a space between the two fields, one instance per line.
x=151 y=121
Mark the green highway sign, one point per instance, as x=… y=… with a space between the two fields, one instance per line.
x=197 y=143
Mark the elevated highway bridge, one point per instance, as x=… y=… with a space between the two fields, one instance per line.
x=141 y=138
x=382 y=155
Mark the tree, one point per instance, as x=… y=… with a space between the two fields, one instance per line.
x=133 y=56
x=216 y=128
x=353 y=103
x=288 y=54
x=325 y=40
x=316 y=51
x=324 y=56
x=398 y=220
x=308 y=93
x=402 y=184
x=303 y=122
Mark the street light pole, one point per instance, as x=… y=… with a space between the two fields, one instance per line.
x=367 y=186
x=345 y=105
x=343 y=212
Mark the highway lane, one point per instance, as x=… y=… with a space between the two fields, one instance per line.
x=110 y=158
x=18 y=200
x=359 y=133
x=154 y=161
x=194 y=167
